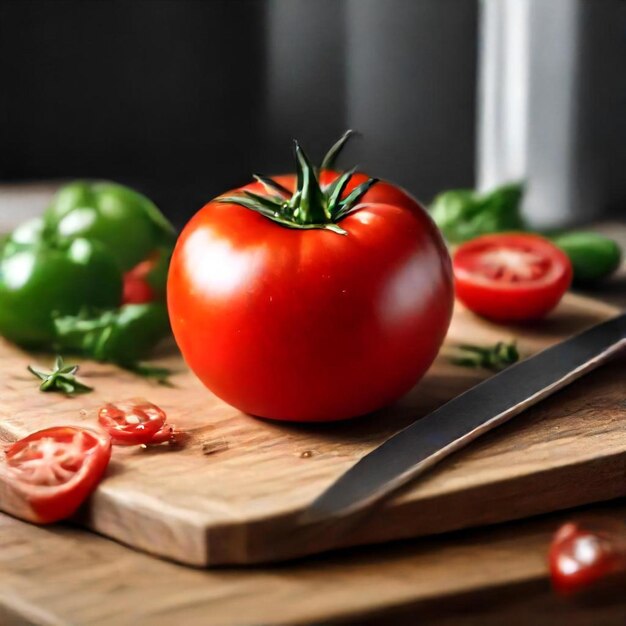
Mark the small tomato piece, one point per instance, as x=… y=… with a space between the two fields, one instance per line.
x=51 y=472
x=146 y=281
x=511 y=277
x=136 y=290
x=131 y=422
x=582 y=555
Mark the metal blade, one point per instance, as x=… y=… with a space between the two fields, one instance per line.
x=452 y=426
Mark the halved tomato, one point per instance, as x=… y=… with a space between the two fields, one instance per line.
x=511 y=277
x=51 y=472
x=131 y=422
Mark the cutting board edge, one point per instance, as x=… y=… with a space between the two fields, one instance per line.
x=398 y=530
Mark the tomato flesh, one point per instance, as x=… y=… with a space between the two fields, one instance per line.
x=511 y=277
x=582 y=555
x=311 y=325
x=53 y=471
x=131 y=422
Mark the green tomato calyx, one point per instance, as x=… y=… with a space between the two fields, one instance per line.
x=310 y=206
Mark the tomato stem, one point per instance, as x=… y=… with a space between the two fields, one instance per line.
x=310 y=206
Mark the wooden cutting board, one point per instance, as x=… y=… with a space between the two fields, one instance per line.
x=230 y=495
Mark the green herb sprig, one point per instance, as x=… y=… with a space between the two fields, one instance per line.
x=62 y=378
x=494 y=358
x=160 y=375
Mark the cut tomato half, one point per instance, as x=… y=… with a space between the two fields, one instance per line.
x=511 y=277
x=131 y=422
x=52 y=471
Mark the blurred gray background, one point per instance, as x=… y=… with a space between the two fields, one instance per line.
x=184 y=99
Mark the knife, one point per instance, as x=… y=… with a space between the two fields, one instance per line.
x=427 y=441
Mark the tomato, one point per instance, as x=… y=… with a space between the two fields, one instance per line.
x=511 y=277
x=136 y=290
x=294 y=316
x=582 y=555
x=146 y=281
x=131 y=422
x=51 y=472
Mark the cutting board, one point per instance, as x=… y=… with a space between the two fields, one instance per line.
x=230 y=494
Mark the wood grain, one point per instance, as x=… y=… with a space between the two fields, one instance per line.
x=64 y=576
x=237 y=503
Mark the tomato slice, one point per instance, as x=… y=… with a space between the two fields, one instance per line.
x=131 y=422
x=582 y=555
x=511 y=277
x=52 y=471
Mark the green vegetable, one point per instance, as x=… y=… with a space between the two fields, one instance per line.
x=161 y=375
x=593 y=256
x=463 y=214
x=59 y=277
x=125 y=221
x=123 y=336
x=25 y=235
x=494 y=358
x=156 y=276
x=62 y=378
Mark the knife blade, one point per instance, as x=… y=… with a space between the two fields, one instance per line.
x=427 y=441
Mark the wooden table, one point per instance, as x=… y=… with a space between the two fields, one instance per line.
x=495 y=575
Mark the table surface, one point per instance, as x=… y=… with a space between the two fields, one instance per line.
x=64 y=575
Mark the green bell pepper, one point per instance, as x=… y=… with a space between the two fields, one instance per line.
x=123 y=336
x=28 y=233
x=125 y=221
x=60 y=277
x=157 y=274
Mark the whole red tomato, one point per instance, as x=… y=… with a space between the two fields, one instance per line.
x=294 y=298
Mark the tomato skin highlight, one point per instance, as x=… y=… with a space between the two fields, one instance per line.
x=44 y=504
x=507 y=297
x=311 y=325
